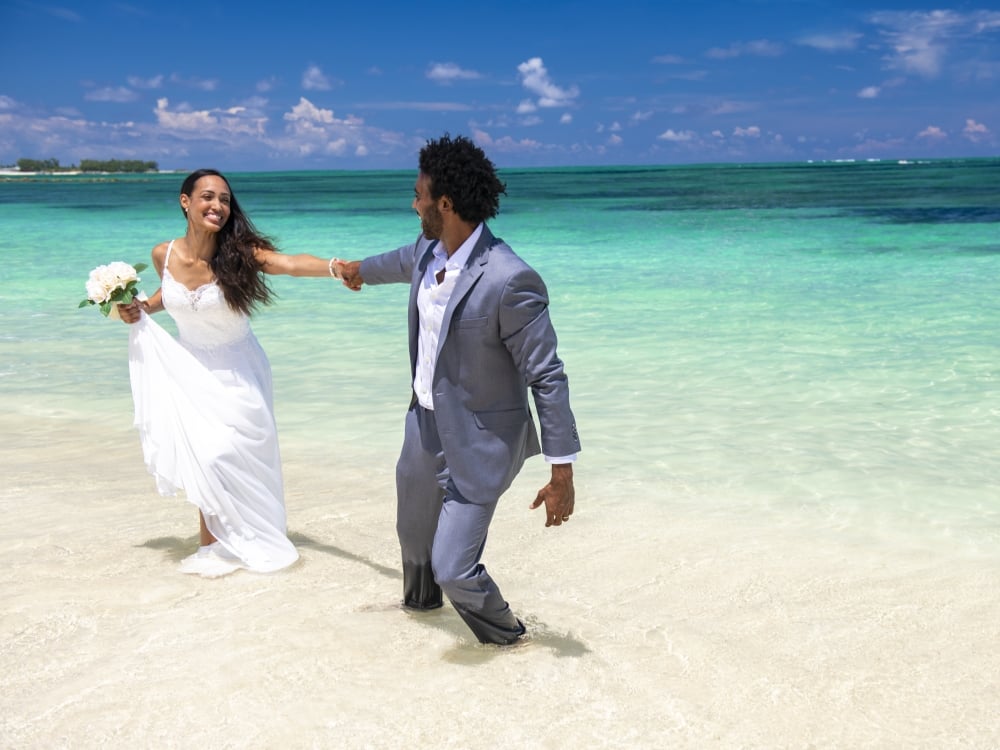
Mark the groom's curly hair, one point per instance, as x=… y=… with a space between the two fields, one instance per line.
x=459 y=169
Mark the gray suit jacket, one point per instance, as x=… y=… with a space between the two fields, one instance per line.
x=496 y=342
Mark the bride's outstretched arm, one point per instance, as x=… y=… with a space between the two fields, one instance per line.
x=302 y=264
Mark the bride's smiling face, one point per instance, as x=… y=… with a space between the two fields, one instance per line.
x=208 y=205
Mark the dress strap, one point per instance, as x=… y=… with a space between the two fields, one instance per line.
x=166 y=258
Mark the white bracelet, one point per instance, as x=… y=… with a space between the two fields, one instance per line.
x=330 y=266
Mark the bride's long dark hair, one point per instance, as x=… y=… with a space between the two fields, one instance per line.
x=236 y=272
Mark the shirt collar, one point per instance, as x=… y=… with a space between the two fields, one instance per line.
x=461 y=256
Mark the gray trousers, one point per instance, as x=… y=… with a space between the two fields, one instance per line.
x=442 y=535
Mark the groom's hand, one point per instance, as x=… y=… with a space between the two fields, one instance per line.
x=558 y=495
x=350 y=272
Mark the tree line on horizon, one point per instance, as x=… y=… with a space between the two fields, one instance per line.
x=88 y=165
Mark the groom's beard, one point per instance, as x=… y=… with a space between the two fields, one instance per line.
x=431 y=223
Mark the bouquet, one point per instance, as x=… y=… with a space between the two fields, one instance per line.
x=112 y=285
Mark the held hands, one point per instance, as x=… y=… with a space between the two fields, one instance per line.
x=350 y=273
x=558 y=495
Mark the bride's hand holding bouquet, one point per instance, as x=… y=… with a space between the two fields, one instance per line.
x=112 y=285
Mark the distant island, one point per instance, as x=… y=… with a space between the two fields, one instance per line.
x=87 y=165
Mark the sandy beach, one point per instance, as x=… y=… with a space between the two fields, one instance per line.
x=685 y=630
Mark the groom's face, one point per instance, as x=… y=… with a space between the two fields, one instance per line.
x=431 y=221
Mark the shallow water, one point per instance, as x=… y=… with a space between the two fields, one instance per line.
x=776 y=340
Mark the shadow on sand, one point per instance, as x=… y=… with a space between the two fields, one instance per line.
x=176 y=548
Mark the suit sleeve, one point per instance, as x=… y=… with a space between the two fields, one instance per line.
x=528 y=334
x=393 y=267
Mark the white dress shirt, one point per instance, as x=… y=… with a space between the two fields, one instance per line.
x=432 y=299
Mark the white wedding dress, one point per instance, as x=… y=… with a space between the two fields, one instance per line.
x=205 y=414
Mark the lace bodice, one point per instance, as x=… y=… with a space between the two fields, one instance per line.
x=203 y=317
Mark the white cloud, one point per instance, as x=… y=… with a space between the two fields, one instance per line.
x=677 y=136
x=757 y=48
x=535 y=78
x=118 y=94
x=751 y=132
x=145 y=83
x=446 y=73
x=335 y=147
x=240 y=120
x=615 y=140
x=869 y=92
x=266 y=84
x=183 y=120
x=566 y=118
x=202 y=84
x=982 y=70
x=764 y=48
x=840 y=41
x=175 y=134
x=505 y=144
x=306 y=111
x=640 y=116
x=921 y=41
x=917 y=39
x=313 y=79
x=730 y=108
x=875 y=147
x=209 y=124
x=256 y=103
x=668 y=60
x=975 y=131
x=526 y=107
x=933 y=132
x=419 y=106
x=312 y=131
x=615 y=127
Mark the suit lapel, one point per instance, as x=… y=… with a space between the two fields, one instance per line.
x=478 y=259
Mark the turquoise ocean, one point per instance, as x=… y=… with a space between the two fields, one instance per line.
x=811 y=345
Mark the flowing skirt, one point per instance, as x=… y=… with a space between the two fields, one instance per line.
x=206 y=423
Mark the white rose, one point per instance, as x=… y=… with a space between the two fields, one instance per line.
x=110 y=277
x=95 y=291
x=97 y=286
x=123 y=272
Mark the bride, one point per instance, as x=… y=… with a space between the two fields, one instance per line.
x=203 y=401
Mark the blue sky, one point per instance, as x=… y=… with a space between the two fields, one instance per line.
x=327 y=85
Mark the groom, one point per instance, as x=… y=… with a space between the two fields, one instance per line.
x=480 y=337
